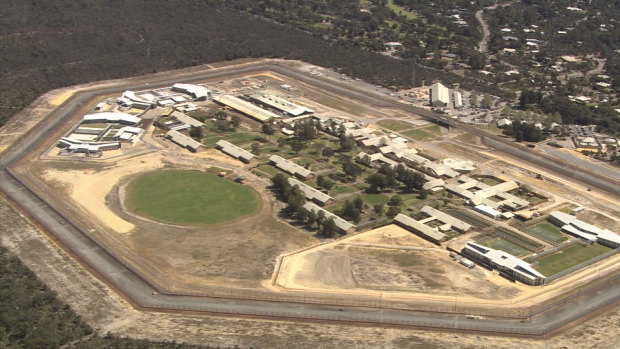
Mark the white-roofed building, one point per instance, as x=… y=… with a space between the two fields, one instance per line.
x=234 y=151
x=461 y=166
x=583 y=230
x=504 y=122
x=112 y=117
x=281 y=104
x=183 y=140
x=342 y=224
x=246 y=108
x=506 y=263
x=290 y=167
x=446 y=218
x=439 y=95
x=419 y=228
x=488 y=210
x=188 y=120
x=198 y=93
x=311 y=193
x=457 y=98
x=130 y=99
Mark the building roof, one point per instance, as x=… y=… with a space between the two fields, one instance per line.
x=582 y=229
x=505 y=260
x=309 y=192
x=418 y=227
x=281 y=104
x=183 y=140
x=196 y=91
x=440 y=93
x=290 y=167
x=247 y=108
x=112 y=117
x=446 y=218
x=340 y=223
x=188 y=120
x=459 y=165
x=234 y=151
x=488 y=210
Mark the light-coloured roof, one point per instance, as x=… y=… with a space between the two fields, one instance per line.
x=459 y=165
x=290 y=167
x=488 y=210
x=188 y=120
x=234 y=151
x=112 y=117
x=446 y=218
x=196 y=91
x=131 y=95
x=280 y=103
x=309 y=192
x=418 y=227
x=440 y=93
x=340 y=223
x=183 y=140
x=247 y=108
x=505 y=260
x=587 y=231
x=441 y=170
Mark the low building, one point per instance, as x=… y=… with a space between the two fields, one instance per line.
x=198 y=93
x=188 y=120
x=290 y=167
x=112 y=118
x=446 y=219
x=504 y=122
x=505 y=263
x=419 y=228
x=583 y=230
x=342 y=224
x=457 y=99
x=488 y=211
x=246 y=108
x=234 y=151
x=281 y=104
x=311 y=193
x=183 y=140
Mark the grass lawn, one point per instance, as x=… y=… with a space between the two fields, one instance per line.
x=269 y=170
x=342 y=189
x=424 y=133
x=399 y=10
x=373 y=199
x=241 y=137
x=190 y=197
x=569 y=257
x=547 y=230
x=395 y=125
x=490 y=181
x=506 y=246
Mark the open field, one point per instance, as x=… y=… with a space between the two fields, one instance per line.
x=190 y=197
x=547 y=231
x=506 y=246
x=569 y=257
x=425 y=133
x=395 y=125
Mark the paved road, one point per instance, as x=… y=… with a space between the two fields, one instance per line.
x=141 y=292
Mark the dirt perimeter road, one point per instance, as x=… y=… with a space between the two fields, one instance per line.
x=122 y=277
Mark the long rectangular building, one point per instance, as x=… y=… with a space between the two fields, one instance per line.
x=506 y=263
x=112 y=117
x=419 y=228
x=439 y=95
x=246 y=108
x=340 y=223
x=311 y=193
x=234 y=151
x=446 y=218
x=583 y=230
x=183 y=140
x=290 y=167
x=281 y=104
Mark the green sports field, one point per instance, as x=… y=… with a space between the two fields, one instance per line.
x=506 y=246
x=395 y=125
x=547 y=231
x=569 y=257
x=190 y=197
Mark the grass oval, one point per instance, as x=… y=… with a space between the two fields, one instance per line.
x=190 y=198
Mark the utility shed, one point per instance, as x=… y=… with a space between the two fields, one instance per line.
x=290 y=167
x=311 y=194
x=340 y=223
x=419 y=228
x=234 y=151
x=183 y=140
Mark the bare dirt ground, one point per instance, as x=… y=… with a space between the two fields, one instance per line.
x=389 y=259
x=99 y=306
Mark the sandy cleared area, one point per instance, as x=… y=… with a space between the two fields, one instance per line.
x=388 y=258
x=89 y=188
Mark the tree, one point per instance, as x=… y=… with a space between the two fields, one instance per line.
x=324 y=182
x=298 y=146
x=255 y=148
x=378 y=209
x=351 y=169
x=195 y=132
x=327 y=152
x=329 y=227
x=347 y=143
x=413 y=180
x=529 y=98
x=350 y=211
x=396 y=200
x=393 y=211
x=235 y=122
x=487 y=102
x=267 y=129
x=311 y=218
x=358 y=202
x=306 y=131
x=474 y=100
x=376 y=182
x=222 y=125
